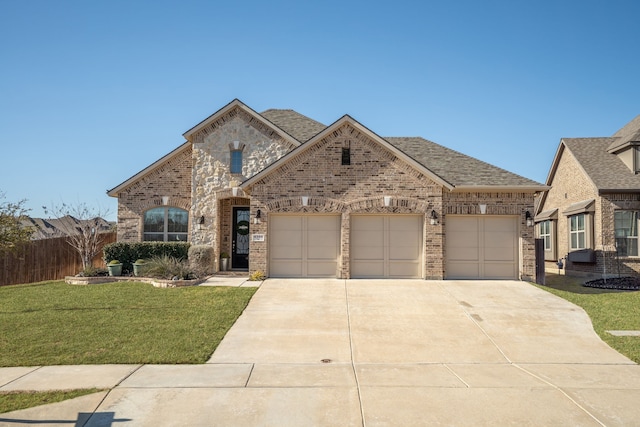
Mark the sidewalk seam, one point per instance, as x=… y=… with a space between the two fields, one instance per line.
x=108 y=393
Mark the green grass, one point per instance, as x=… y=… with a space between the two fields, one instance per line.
x=609 y=310
x=14 y=401
x=52 y=323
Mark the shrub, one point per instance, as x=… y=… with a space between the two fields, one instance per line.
x=92 y=271
x=128 y=252
x=257 y=276
x=201 y=259
x=168 y=267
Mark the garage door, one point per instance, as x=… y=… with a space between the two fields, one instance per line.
x=481 y=247
x=304 y=245
x=386 y=246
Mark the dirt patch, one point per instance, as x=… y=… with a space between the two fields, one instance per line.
x=620 y=283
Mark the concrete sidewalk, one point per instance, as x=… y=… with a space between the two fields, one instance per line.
x=374 y=353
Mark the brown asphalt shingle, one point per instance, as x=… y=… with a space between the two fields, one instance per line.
x=605 y=169
x=453 y=167
x=295 y=124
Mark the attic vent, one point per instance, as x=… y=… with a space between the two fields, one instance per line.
x=346 y=154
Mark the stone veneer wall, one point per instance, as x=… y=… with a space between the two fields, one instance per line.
x=172 y=178
x=347 y=189
x=211 y=176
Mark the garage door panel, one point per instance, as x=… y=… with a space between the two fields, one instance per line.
x=284 y=268
x=404 y=270
x=366 y=269
x=499 y=270
x=499 y=254
x=463 y=270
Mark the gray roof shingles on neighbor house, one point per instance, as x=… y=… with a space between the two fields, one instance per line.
x=599 y=161
x=451 y=166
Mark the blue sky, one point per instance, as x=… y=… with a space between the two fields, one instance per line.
x=91 y=92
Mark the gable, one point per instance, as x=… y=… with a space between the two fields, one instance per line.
x=234 y=109
x=370 y=153
x=175 y=166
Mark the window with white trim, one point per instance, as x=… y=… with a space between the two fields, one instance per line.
x=577 y=232
x=166 y=224
x=626 y=232
x=544 y=232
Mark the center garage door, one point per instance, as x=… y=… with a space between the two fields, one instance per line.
x=481 y=247
x=386 y=246
x=304 y=245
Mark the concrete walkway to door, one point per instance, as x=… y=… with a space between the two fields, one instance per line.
x=389 y=353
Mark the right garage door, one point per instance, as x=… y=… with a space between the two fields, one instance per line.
x=481 y=247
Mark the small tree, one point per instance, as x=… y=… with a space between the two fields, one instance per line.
x=12 y=232
x=83 y=228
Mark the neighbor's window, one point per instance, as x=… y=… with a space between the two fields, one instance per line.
x=166 y=224
x=636 y=159
x=626 y=229
x=236 y=161
x=545 y=233
x=577 y=232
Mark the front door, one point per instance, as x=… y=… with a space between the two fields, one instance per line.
x=240 y=240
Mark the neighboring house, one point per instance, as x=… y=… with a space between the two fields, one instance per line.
x=291 y=197
x=589 y=217
x=64 y=226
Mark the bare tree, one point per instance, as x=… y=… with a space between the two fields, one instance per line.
x=83 y=227
x=12 y=232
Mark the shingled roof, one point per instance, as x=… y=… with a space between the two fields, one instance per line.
x=606 y=170
x=456 y=168
x=295 y=124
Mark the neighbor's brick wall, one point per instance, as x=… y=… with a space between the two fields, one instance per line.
x=570 y=185
x=172 y=178
x=608 y=262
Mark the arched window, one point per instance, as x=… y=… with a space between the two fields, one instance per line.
x=166 y=224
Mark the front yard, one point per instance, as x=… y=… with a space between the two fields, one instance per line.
x=52 y=323
x=609 y=311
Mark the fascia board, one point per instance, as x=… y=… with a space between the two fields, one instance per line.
x=501 y=188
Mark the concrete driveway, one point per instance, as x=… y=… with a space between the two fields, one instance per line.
x=381 y=353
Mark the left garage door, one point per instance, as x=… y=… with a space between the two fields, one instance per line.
x=304 y=245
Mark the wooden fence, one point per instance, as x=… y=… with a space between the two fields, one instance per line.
x=46 y=259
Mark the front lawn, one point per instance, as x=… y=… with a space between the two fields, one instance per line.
x=609 y=310
x=53 y=323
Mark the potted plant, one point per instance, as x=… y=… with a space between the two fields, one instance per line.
x=138 y=267
x=224 y=261
x=115 y=267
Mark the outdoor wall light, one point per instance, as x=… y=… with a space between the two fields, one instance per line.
x=201 y=220
x=387 y=200
x=256 y=219
x=165 y=200
x=529 y=218
x=305 y=200
x=434 y=218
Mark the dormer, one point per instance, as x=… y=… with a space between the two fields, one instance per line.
x=626 y=145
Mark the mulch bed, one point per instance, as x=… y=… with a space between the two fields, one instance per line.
x=620 y=283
